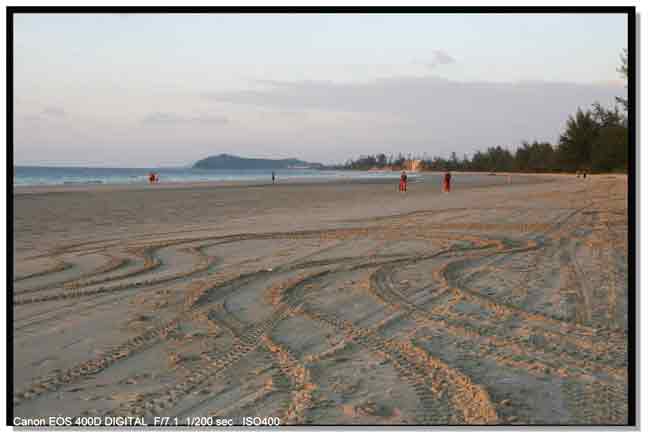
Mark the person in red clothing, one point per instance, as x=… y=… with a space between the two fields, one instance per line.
x=402 y=182
x=447 y=182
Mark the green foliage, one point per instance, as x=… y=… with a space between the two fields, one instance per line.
x=577 y=140
x=230 y=162
x=535 y=157
x=494 y=159
x=609 y=152
x=594 y=140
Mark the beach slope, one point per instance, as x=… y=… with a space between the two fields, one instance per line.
x=325 y=303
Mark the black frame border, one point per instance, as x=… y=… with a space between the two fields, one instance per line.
x=630 y=11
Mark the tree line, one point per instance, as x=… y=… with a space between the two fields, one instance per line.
x=595 y=140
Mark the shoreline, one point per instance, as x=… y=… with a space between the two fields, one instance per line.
x=252 y=183
x=248 y=183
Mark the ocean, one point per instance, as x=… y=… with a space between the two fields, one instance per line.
x=28 y=175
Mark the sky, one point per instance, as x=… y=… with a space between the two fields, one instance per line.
x=137 y=90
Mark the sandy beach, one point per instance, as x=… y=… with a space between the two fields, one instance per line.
x=325 y=303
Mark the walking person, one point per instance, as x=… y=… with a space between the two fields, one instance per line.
x=273 y=177
x=446 y=187
x=402 y=181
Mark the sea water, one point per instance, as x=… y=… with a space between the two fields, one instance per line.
x=29 y=175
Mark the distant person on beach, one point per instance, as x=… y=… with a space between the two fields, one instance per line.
x=446 y=187
x=154 y=178
x=402 y=181
x=273 y=177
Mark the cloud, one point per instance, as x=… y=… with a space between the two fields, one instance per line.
x=431 y=112
x=441 y=57
x=163 y=118
x=209 y=120
x=54 y=112
x=45 y=115
x=425 y=97
x=332 y=121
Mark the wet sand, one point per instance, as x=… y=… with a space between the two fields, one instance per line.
x=325 y=303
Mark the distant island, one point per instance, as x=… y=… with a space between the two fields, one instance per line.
x=231 y=162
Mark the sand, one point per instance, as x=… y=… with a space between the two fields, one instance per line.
x=325 y=303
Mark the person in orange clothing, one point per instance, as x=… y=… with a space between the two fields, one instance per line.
x=402 y=182
x=447 y=182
